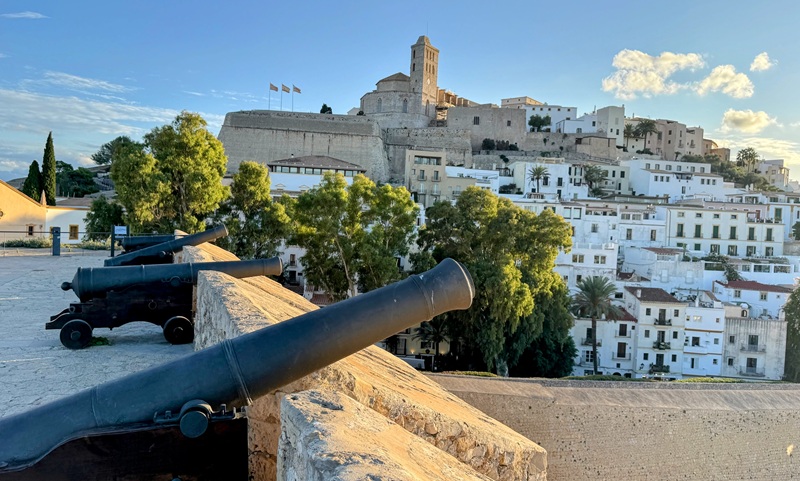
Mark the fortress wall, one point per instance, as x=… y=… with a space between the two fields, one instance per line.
x=456 y=142
x=637 y=431
x=372 y=379
x=265 y=136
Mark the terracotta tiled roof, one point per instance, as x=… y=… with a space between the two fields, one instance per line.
x=664 y=250
x=321 y=300
x=395 y=77
x=626 y=276
x=652 y=294
x=626 y=316
x=754 y=286
x=318 y=161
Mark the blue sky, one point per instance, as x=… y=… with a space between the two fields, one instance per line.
x=90 y=71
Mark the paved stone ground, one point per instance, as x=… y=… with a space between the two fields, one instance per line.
x=34 y=367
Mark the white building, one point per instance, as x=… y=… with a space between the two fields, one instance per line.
x=558 y=180
x=615 y=346
x=660 y=331
x=704 y=334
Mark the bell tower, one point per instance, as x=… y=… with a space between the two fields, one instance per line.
x=424 y=74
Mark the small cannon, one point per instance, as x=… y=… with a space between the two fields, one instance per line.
x=133 y=243
x=184 y=392
x=161 y=294
x=163 y=253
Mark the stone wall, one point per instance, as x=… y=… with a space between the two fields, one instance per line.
x=371 y=378
x=455 y=142
x=647 y=431
x=266 y=135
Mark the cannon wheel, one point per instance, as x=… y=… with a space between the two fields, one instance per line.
x=76 y=334
x=178 y=330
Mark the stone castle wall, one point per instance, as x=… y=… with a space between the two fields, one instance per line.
x=265 y=136
x=647 y=431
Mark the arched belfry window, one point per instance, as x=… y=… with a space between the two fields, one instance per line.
x=428 y=107
x=380 y=105
x=405 y=106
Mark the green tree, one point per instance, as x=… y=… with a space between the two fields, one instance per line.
x=352 y=234
x=644 y=128
x=510 y=254
x=593 y=300
x=592 y=175
x=747 y=158
x=74 y=183
x=434 y=331
x=173 y=179
x=49 y=171
x=488 y=144
x=256 y=225
x=105 y=155
x=33 y=183
x=325 y=109
x=796 y=230
x=536 y=122
x=792 y=311
x=536 y=174
x=103 y=215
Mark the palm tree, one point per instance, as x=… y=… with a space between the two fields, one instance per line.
x=592 y=175
x=629 y=132
x=537 y=173
x=434 y=331
x=593 y=300
x=644 y=128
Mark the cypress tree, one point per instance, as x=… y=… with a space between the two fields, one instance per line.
x=49 y=171
x=33 y=183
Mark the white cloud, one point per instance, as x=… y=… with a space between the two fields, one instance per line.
x=81 y=83
x=762 y=62
x=769 y=148
x=641 y=74
x=30 y=15
x=746 y=121
x=725 y=79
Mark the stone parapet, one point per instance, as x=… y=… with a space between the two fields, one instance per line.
x=228 y=307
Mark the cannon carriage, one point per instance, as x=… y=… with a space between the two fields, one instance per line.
x=160 y=294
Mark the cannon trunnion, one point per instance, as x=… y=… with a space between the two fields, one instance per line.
x=160 y=294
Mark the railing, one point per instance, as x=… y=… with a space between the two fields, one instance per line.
x=624 y=357
x=661 y=345
x=754 y=347
x=662 y=322
x=587 y=341
x=654 y=368
x=435 y=179
x=752 y=372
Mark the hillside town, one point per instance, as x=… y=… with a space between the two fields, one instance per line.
x=702 y=265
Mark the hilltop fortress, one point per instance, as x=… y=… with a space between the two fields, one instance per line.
x=404 y=112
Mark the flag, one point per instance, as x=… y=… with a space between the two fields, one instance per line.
x=285 y=88
x=296 y=89
x=273 y=87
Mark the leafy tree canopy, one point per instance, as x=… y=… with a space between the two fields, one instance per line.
x=105 y=155
x=173 y=179
x=536 y=122
x=49 y=171
x=325 y=109
x=33 y=183
x=510 y=254
x=256 y=225
x=352 y=234
x=792 y=312
x=103 y=215
x=74 y=183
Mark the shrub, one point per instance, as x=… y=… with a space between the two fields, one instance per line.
x=34 y=243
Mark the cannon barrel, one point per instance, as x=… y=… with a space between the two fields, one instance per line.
x=91 y=282
x=134 y=242
x=169 y=247
x=237 y=370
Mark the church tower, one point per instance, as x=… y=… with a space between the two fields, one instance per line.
x=424 y=74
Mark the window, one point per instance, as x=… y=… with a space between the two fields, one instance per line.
x=588 y=356
x=714 y=248
x=577 y=258
x=698 y=229
x=769 y=251
x=698 y=215
x=733 y=250
x=645 y=356
x=674 y=334
x=716 y=340
x=599 y=259
x=652 y=234
x=73 y=232
x=623 y=330
x=676 y=313
x=730 y=361
x=697 y=247
x=681 y=214
x=734 y=217
x=751 y=250
x=751 y=233
x=628 y=234
x=476 y=120
x=762 y=296
x=405 y=106
x=578 y=278
x=292 y=260
x=594 y=228
x=508 y=123
x=647 y=333
x=380 y=105
x=731 y=339
x=732 y=234
x=778 y=214
x=737 y=293
x=647 y=311
x=674 y=358
x=769 y=234
x=30 y=230
x=716 y=216
x=715 y=361
x=695 y=341
x=679 y=233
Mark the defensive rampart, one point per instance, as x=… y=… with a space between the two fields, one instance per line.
x=652 y=431
x=369 y=416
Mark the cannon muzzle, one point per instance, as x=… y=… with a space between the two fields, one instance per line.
x=237 y=370
x=167 y=248
x=91 y=282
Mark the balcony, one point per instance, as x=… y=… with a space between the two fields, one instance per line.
x=754 y=347
x=661 y=345
x=654 y=368
x=627 y=335
x=623 y=357
x=752 y=372
x=436 y=178
x=587 y=341
x=662 y=322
